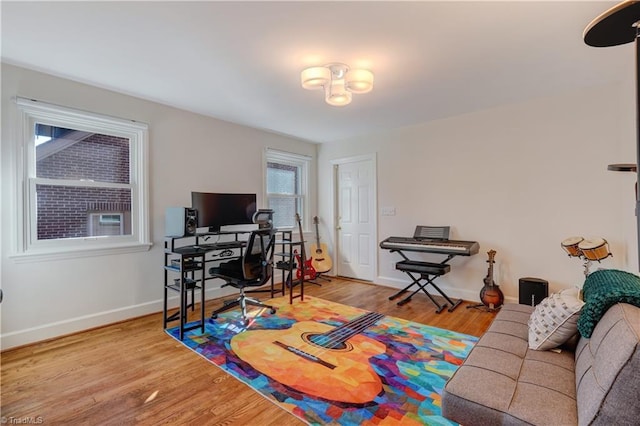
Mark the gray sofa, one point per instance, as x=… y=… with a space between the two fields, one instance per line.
x=593 y=382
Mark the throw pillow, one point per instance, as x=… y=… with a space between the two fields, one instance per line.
x=555 y=320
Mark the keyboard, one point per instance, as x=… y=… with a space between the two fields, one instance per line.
x=458 y=247
x=224 y=245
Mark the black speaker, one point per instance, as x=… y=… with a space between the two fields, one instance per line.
x=180 y=222
x=533 y=290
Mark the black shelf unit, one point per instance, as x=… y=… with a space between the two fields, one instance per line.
x=184 y=273
x=285 y=261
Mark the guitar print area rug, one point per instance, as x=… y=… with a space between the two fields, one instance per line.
x=328 y=363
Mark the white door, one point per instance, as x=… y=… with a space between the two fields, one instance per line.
x=356 y=219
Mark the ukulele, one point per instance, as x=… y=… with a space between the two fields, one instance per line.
x=305 y=267
x=319 y=259
x=491 y=295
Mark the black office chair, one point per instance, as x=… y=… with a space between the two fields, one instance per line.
x=253 y=269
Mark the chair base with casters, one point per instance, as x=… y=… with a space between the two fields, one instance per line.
x=253 y=269
x=241 y=301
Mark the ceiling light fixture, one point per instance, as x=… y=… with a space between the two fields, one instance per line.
x=338 y=81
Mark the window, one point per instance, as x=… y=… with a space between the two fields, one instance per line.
x=106 y=224
x=111 y=219
x=85 y=182
x=287 y=187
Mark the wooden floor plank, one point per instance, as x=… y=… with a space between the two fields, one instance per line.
x=133 y=373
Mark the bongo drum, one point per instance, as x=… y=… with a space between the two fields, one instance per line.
x=570 y=245
x=594 y=248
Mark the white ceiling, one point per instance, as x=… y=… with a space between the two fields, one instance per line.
x=240 y=61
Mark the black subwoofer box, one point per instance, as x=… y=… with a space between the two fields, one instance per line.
x=533 y=290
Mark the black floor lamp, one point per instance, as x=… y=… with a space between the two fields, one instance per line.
x=620 y=25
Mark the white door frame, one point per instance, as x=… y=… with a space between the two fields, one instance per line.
x=334 y=202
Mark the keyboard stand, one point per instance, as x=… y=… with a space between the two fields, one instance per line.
x=428 y=273
x=416 y=281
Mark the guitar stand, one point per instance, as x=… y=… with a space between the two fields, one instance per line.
x=297 y=281
x=320 y=276
x=483 y=307
x=313 y=281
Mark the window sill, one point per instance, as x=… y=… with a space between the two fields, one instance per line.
x=77 y=252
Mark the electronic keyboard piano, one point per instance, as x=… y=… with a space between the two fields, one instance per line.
x=428 y=239
x=430 y=245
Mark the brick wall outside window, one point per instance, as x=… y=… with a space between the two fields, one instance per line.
x=63 y=212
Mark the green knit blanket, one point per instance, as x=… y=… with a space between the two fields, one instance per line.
x=603 y=289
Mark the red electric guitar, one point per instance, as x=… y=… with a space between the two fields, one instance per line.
x=305 y=267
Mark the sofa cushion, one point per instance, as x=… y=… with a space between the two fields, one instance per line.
x=608 y=369
x=502 y=381
x=555 y=320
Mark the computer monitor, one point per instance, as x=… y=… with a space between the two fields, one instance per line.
x=216 y=210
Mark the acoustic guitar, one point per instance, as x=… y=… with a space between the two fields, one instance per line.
x=316 y=358
x=305 y=266
x=319 y=258
x=491 y=295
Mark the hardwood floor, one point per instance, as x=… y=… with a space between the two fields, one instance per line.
x=134 y=373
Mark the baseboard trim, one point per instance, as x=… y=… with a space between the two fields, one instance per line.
x=86 y=322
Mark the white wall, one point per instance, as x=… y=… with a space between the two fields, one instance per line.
x=518 y=179
x=188 y=152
